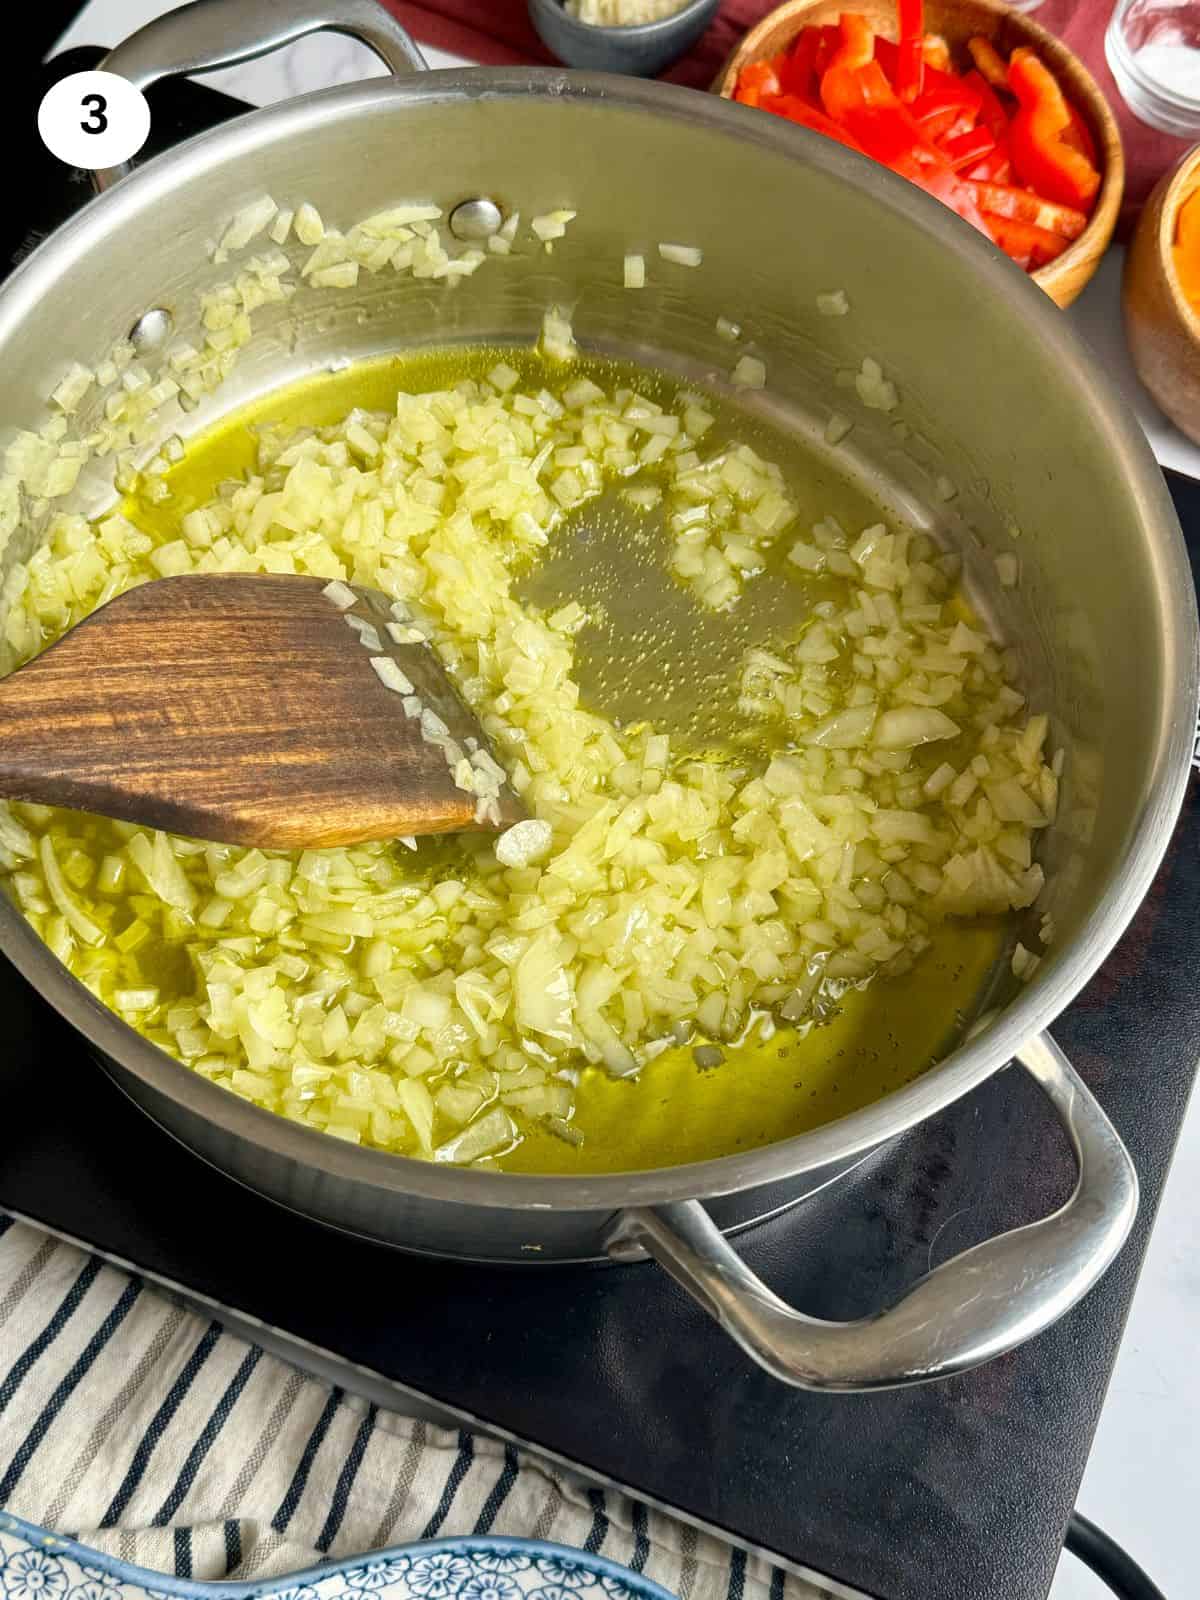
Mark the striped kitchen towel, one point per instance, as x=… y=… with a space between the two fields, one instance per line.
x=143 y=1429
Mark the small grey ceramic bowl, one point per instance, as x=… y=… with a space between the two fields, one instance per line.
x=640 y=51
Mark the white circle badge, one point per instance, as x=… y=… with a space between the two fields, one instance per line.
x=94 y=119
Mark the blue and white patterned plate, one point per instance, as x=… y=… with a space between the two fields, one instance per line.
x=36 y=1565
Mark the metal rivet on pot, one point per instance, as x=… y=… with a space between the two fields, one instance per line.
x=625 y=1250
x=476 y=219
x=151 y=329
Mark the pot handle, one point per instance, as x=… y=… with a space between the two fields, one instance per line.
x=970 y=1309
x=209 y=34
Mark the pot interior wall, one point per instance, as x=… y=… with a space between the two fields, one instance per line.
x=989 y=395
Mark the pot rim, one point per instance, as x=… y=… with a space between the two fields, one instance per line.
x=966 y=1067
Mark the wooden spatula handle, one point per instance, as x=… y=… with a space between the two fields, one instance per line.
x=230 y=707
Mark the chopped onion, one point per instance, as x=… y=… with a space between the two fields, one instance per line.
x=341 y=275
x=874 y=390
x=73 y=387
x=558 y=337
x=381 y=991
x=939 y=779
x=545 y=1001
x=489 y=1134
x=845 y=730
x=162 y=870
x=524 y=843
x=342 y=595
x=307 y=224
x=136 y=999
x=552 y=225
x=644 y=497
x=910 y=726
x=14 y=836
x=684 y=255
x=404 y=633
x=76 y=917
x=397 y=218
x=390 y=675
x=1024 y=963
x=417 y=1103
x=750 y=373
x=622 y=13
x=368 y=634
x=248 y=223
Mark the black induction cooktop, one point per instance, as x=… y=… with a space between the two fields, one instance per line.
x=955 y=1491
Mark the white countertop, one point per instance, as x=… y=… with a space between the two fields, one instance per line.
x=1143 y=1480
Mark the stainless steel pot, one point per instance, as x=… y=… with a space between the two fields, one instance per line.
x=997 y=394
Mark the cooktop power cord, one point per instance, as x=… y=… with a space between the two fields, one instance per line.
x=1115 y=1569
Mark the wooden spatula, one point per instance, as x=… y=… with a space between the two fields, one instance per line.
x=254 y=710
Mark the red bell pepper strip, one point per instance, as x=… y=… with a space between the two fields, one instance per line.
x=1031 y=247
x=988 y=62
x=944 y=91
x=1000 y=200
x=831 y=38
x=909 y=77
x=858 y=92
x=755 y=81
x=887 y=53
x=797 y=110
x=863 y=101
x=946 y=107
x=798 y=75
x=948 y=133
x=857 y=46
x=968 y=149
x=991 y=113
x=1078 y=135
x=963 y=123
x=994 y=168
x=938 y=178
x=1020 y=254
x=1043 y=158
x=940 y=125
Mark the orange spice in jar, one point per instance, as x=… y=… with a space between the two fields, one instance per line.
x=1187 y=249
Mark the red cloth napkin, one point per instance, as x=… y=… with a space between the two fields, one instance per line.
x=499 y=33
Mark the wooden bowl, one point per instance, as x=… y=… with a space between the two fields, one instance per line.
x=957 y=21
x=1162 y=328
